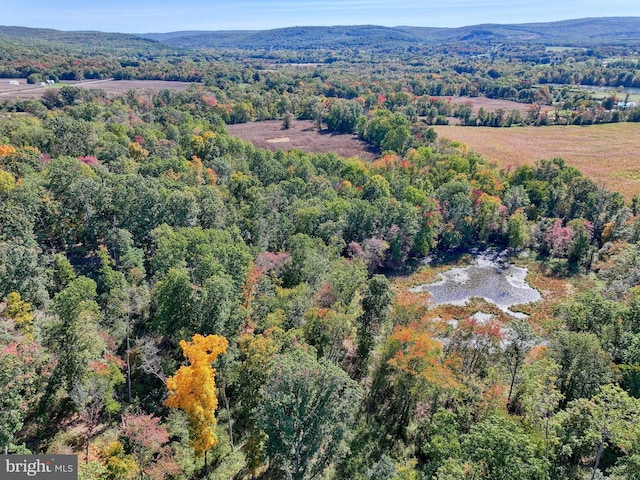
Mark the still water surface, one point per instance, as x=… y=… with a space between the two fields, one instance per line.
x=488 y=277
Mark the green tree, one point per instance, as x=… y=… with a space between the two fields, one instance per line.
x=23 y=372
x=241 y=112
x=396 y=140
x=487 y=216
x=73 y=336
x=326 y=330
x=584 y=366
x=615 y=419
x=375 y=188
x=256 y=353
x=539 y=395
x=500 y=449
x=457 y=214
x=306 y=411
x=375 y=305
x=343 y=115
x=517 y=230
x=62 y=272
x=21 y=270
x=387 y=130
x=175 y=305
x=441 y=441
x=588 y=426
x=73 y=137
x=79 y=198
x=516 y=197
x=287 y=119
x=593 y=312
x=521 y=338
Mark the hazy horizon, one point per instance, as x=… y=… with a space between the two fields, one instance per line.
x=161 y=16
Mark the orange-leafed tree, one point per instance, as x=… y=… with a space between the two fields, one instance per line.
x=193 y=389
x=419 y=354
x=414 y=372
x=6 y=150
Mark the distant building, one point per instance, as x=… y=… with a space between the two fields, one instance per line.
x=627 y=104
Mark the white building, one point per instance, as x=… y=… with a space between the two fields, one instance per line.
x=626 y=105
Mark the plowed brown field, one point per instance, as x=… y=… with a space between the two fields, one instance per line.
x=303 y=136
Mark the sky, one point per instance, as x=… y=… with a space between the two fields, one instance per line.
x=159 y=16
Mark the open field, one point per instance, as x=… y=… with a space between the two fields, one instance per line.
x=24 y=91
x=492 y=104
x=608 y=153
x=302 y=135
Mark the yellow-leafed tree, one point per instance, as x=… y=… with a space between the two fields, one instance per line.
x=193 y=389
x=21 y=313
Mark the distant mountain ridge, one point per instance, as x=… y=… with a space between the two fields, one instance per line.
x=291 y=37
x=604 y=30
x=69 y=38
x=578 y=32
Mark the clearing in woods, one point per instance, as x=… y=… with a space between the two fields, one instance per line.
x=24 y=90
x=608 y=153
x=302 y=135
x=491 y=104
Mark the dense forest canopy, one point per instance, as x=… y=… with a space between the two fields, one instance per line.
x=177 y=303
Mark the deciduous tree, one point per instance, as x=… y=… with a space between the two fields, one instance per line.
x=73 y=337
x=193 y=389
x=306 y=411
x=500 y=449
x=148 y=441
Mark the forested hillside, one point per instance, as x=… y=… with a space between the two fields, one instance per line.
x=177 y=303
x=582 y=32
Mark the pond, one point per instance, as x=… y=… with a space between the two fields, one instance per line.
x=488 y=277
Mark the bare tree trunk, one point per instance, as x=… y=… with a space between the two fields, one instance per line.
x=129 y=353
x=226 y=405
x=597 y=462
x=86 y=445
x=546 y=438
x=513 y=378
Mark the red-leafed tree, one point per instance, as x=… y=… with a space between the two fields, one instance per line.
x=472 y=343
x=558 y=239
x=148 y=441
